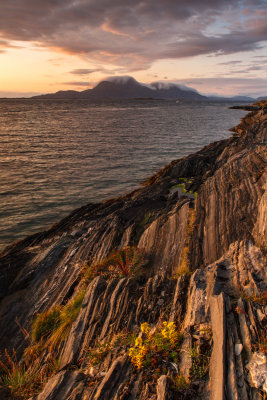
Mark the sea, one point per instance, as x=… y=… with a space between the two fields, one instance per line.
x=58 y=155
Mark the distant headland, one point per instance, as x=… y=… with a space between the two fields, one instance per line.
x=126 y=87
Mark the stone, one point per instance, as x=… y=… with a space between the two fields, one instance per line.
x=257 y=369
x=217 y=361
x=238 y=349
x=162 y=387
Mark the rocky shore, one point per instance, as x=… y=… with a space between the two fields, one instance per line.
x=160 y=294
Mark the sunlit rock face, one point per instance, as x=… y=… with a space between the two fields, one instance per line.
x=201 y=225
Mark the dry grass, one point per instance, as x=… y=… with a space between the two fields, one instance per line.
x=45 y=323
x=24 y=381
x=184 y=266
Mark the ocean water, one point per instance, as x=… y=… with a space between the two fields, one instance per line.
x=57 y=155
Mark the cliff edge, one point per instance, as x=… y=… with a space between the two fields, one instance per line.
x=160 y=294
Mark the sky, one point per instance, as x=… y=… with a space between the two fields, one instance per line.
x=215 y=46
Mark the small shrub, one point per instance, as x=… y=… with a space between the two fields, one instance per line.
x=128 y=262
x=95 y=355
x=45 y=323
x=153 y=349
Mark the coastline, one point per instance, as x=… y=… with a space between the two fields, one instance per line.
x=201 y=222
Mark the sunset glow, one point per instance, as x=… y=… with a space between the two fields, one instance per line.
x=216 y=47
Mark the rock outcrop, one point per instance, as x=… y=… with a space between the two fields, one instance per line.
x=201 y=223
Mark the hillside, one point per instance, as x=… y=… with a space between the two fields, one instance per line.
x=160 y=294
x=126 y=88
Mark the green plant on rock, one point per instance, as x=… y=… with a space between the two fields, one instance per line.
x=95 y=355
x=200 y=364
x=127 y=262
x=68 y=314
x=154 y=348
x=183 y=182
x=180 y=383
x=52 y=326
x=45 y=323
x=260 y=298
x=33 y=351
x=184 y=266
x=49 y=330
x=23 y=380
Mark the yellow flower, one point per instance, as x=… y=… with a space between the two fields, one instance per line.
x=145 y=328
x=131 y=351
x=138 y=342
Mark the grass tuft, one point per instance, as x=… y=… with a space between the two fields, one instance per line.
x=23 y=380
x=45 y=323
x=184 y=266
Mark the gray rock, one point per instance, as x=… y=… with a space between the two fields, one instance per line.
x=257 y=368
x=162 y=387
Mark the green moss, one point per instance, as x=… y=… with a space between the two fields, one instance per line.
x=146 y=219
x=200 y=364
x=182 y=187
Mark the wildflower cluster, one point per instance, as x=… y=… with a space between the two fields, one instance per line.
x=138 y=352
x=154 y=349
x=169 y=332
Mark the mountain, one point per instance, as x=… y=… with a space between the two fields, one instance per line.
x=127 y=88
x=234 y=98
x=158 y=294
x=261 y=98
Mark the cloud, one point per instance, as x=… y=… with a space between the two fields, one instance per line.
x=83 y=71
x=82 y=83
x=169 y=85
x=231 y=86
x=229 y=63
x=135 y=33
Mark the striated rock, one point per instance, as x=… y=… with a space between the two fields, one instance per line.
x=65 y=385
x=257 y=368
x=162 y=388
x=74 y=345
x=5 y=394
x=218 y=357
x=110 y=384
x=219 y=237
